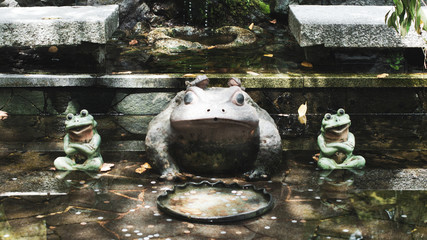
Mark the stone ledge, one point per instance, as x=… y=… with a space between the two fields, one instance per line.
x=262 y=81
x=347 y=26
x=45 y=26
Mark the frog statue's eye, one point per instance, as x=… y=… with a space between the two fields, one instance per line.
x=328 y=116
x=340 y=112
x=239 y=99
x=189 y=97
x=84 y=113
x=69 y=116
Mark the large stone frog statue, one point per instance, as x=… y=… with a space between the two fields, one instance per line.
x=336 y=143
x=81 y=144
x=214 y=131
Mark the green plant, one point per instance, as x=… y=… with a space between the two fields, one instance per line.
x=406 y=13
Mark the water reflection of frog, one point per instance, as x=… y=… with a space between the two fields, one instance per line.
x=81 y=144
x=214 y=131
x=337 y=143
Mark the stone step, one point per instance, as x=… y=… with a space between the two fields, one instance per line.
x=348 y=27
x=46 y=26
x=177 y=80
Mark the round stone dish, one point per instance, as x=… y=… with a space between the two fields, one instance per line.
x=215 y=202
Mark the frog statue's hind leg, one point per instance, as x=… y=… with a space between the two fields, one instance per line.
x=269 y=153
x=327 y=163
x=157 y=146
x=64 y=163
x=354 y=161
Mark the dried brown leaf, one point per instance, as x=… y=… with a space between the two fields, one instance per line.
x=306 y=64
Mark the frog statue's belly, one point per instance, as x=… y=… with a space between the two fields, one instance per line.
x=215 y=146
x=211 y=131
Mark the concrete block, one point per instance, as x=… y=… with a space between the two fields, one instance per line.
x=348 y=26
x=45 y=26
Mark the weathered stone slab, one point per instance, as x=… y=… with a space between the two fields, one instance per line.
x=45 y=26
x=347 y=26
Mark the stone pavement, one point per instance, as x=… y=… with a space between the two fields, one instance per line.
x=38 y=203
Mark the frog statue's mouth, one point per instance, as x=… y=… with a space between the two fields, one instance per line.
x=337 y=134
x=81 y=133
x=216 y=129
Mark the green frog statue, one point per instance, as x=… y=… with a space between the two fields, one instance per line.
x=81 y=144
x=337 y=143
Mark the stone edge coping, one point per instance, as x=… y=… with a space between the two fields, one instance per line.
x=314 y=24
x=289 y=80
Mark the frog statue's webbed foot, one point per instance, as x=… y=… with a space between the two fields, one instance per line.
x=255 y=175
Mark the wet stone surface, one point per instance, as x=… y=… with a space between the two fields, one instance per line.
x=376 y=203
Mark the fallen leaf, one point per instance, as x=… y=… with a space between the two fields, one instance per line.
x=190 y=211
x=302 y=119
x=133 y=42
x=53 y=49
x=252 y=73
x=316 y=157
x=274 y=21
x=306 y=64
x=211 y=47
x=190 y=75
x=251 y=26
x=143 y=168
x=120 y=73
x=302 y=110
x=106 y=167
x=268 y=55
x=383 y=75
